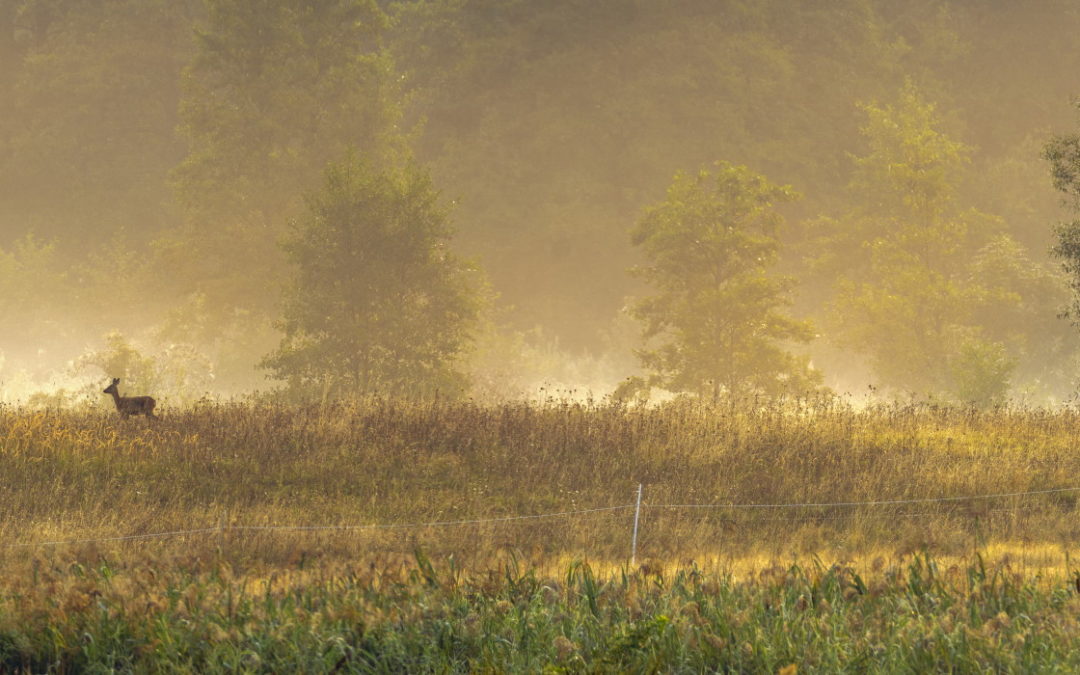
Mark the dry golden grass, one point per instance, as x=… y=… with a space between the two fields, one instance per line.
x=717 y=587
x=72 y=476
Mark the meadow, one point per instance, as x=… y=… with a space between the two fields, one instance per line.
x=382 y=536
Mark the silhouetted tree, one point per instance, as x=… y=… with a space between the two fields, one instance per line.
x=378 y=302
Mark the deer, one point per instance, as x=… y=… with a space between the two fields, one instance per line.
x=131 y=405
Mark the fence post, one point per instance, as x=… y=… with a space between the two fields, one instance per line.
x=637 y=517
x=223 y=526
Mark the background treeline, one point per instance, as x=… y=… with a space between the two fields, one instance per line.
x=184 y=183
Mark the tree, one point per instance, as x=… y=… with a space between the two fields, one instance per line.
x=276 y=90
x=937 y=298
x=902 y=298
x=88 y=112
x=378 y=302
x=601 y=102
x=1063 y=154
x=1018 y=306
x=718 y=314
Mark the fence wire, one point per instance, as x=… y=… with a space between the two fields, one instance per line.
x=221 y=529
x=885 y=502
x=328 y=528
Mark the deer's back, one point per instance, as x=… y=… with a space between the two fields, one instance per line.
x=138 y=404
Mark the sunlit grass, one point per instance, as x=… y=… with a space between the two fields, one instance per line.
x=226 y=471
x=378 y=462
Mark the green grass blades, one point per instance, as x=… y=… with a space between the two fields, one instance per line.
x=914 y=616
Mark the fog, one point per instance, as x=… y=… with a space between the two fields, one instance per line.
x=166 y=183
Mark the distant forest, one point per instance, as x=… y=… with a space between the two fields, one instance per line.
x=181 y=182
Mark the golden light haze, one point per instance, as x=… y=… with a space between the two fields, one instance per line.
x=163 y=163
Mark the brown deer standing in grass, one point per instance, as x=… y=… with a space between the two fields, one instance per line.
x=131 y=405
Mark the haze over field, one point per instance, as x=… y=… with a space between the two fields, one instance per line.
x=328 y=254
x=484 y=197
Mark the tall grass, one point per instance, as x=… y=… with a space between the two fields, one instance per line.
x=542 y=593
x=80 y=476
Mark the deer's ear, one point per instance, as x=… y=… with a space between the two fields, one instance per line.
x=116 y=380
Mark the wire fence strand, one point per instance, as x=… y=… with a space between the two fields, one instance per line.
x=884 y=502
x=437 y=523
x=317 y=528
x=130 y=537
x=565 y=514
x=910 y=515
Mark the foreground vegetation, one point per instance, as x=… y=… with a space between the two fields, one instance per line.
x=975 y=581
x=914 y=618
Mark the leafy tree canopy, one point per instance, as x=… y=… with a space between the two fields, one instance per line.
x=378 y=303
x=923 y=294
x=718 y=314
x=275 y=90
x=1063 y=154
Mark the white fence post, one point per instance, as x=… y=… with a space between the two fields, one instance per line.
x=223 y=527
x=637 y=517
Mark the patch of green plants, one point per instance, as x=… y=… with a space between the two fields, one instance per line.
x=915 y=615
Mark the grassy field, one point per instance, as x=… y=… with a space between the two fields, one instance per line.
x=305 y=545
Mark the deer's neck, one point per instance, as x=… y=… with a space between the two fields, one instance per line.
x=116 y=399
